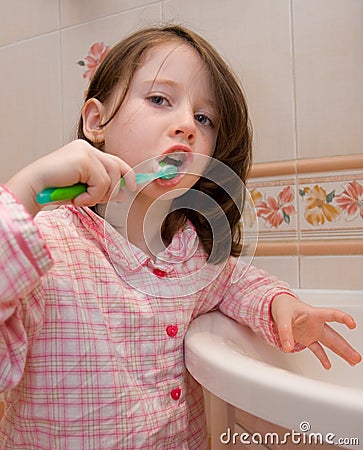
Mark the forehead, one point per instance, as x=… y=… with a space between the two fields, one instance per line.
x=175 y=61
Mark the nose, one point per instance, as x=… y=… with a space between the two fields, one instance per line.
x=184 y=126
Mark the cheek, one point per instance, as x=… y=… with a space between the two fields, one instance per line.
x=128 y=140
x=189 y=181
x=209 y=143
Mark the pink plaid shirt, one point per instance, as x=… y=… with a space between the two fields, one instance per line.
x=87 y=360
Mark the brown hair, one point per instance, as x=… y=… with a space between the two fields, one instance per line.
x=233 y=146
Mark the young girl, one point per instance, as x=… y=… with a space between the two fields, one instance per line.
x=92 y=320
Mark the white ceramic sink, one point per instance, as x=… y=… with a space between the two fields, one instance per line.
x=286 y=389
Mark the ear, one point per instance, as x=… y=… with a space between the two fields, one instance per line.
x=92 y=113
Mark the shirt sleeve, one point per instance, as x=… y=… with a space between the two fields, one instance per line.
x=246 y=294
x=24 y=258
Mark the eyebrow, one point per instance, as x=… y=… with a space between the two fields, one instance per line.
x=161 y=81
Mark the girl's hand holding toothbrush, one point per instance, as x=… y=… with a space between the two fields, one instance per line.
x=76 y=162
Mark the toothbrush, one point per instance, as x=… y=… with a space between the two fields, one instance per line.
x=55 y=194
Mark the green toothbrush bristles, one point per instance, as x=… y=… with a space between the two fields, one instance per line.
x=169 y=172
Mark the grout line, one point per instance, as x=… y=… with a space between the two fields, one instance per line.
x=28 y=39
x=106 y=16
x=60 y=31
x=162 y=12
x=293 y=73
x=296 y=135
x=86 y=21
x=59 y=14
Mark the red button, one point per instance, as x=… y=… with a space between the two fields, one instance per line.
x=175 y=394
x=171 y=330
x=159 y=273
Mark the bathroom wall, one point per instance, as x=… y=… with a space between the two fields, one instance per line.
x=301 y=64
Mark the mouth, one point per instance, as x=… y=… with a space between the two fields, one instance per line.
x=179 y=157
x=173 y=159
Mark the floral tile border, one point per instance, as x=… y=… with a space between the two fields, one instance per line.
x=276 y=207
x=332 y=205
x=309 y=207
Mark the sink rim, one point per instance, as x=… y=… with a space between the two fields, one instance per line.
x=259 y=394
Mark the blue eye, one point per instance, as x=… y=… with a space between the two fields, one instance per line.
x=158 y=100
x=204 y=120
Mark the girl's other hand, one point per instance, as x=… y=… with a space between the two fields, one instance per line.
x=76 y=162
x=300 y=323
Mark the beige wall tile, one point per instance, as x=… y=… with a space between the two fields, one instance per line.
x=285 y=268
x=331 y=272
x=30 y=107
x=76 y=42
x=76 y=12
x=329 y=76
x=22 y=19
x=255 y=37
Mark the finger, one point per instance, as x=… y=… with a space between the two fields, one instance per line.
x=104 y=173
x=130 y=180
x=285 y=334
x=335 y=315
x=320 y=353
x=336 y=343
x=98 y=184
x=116 y=169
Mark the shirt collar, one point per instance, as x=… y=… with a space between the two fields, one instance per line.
x=124 y=254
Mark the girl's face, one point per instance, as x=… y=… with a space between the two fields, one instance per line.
x=169 y=108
